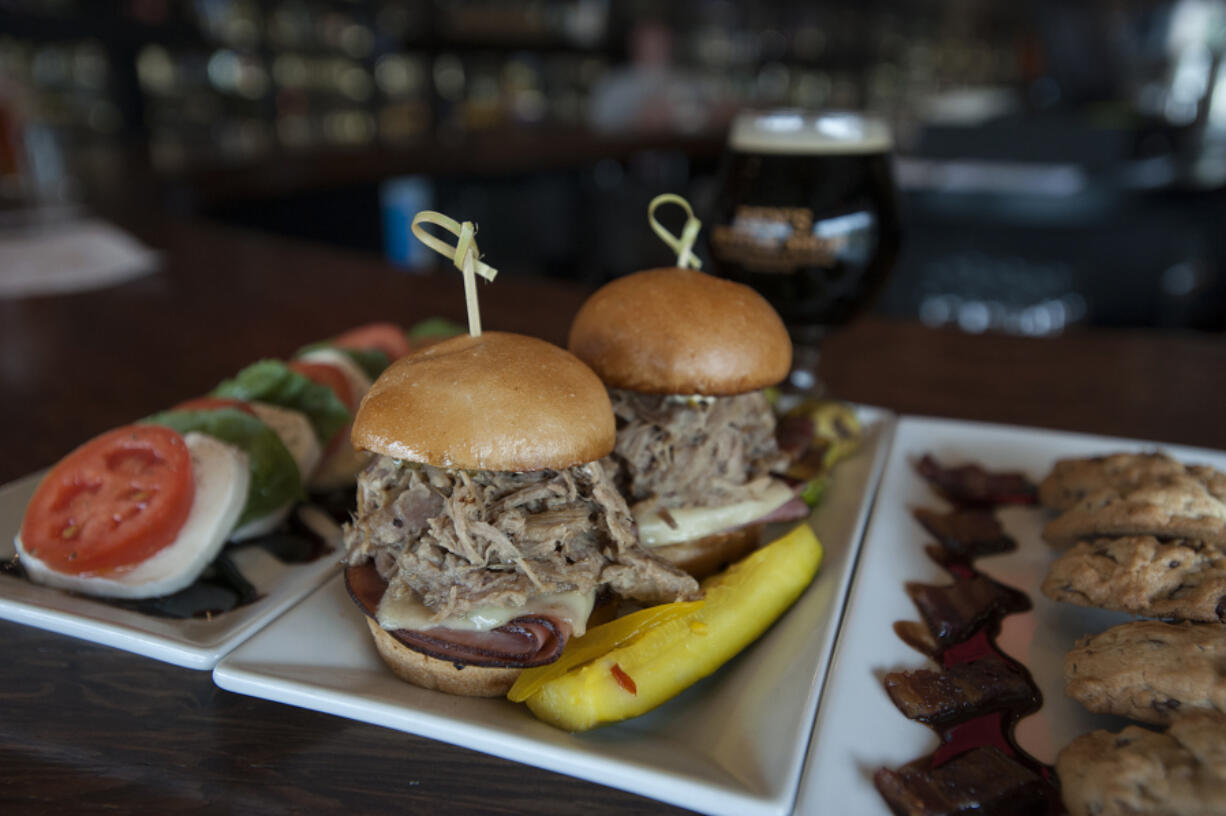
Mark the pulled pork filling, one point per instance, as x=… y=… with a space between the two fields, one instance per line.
x=460 y=539
x=677 y=451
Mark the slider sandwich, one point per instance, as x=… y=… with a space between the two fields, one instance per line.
x=685 y=356
x=486 y=525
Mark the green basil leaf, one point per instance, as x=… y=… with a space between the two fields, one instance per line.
x=436 y=327
x=273 y=381
x=275 y=479
x=371 y=361
x=814 y=490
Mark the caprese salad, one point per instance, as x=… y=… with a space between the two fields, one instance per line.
x=141 y=511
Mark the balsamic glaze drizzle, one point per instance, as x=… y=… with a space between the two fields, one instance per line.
x=222 y=587
x=977 y=697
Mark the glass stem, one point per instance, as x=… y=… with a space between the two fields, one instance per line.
x=803 y=378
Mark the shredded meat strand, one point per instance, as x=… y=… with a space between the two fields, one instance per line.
x=678 y=452
x=460 y=539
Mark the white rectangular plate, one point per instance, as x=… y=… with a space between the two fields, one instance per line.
x=194 y=643
x=733 y=744
x=858 y=728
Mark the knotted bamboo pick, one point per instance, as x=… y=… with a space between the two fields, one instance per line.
x=464 y=256
x=684 y=244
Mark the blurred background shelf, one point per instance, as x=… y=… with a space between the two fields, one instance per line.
x=1058 y=163
x=500 y=151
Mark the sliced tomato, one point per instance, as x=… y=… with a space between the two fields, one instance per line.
x=113 y=502
x=328 y=375
x=386 y=337
x=214 y=404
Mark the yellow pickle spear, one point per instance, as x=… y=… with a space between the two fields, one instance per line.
x=624 y=669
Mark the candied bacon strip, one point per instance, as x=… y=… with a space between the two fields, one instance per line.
x=984 y=781
x=973 y=486
x=966 y=534
x=957 y=611
x=959 y=693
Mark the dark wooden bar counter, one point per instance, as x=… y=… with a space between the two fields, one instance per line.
x=84 y=728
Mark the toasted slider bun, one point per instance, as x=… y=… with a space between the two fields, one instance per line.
x=708 y=555
x=495 y=402
x=680 y=331
x=441 y=675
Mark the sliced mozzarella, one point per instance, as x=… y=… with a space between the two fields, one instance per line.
x=359 y=383
x=406 y=611
x=341 y=462
x=296 y=433
x=221 y=476
x=262 y=525
x=339 y=468
x=698 y=522
x=299 y=438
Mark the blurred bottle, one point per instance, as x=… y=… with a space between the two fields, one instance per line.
x=33 y=169
x=400 y=200
x=12 y=154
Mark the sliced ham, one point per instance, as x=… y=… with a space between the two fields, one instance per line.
x=794 y=435
x=794 y=509
x=530 y=640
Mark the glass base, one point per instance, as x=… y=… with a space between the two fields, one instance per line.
x=803 y=380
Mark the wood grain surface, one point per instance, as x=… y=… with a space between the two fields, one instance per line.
x=84 y=728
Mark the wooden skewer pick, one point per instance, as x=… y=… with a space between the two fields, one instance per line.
x=464 y=256
x=683 y=245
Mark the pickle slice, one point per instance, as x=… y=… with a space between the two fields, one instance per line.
x=659 y=660
x=598 y=641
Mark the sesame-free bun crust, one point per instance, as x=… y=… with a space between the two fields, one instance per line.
x=495 y=402
x=705 y=556
x=680 y=331
x=441 y=675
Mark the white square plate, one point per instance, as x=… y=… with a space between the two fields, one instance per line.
x=858 y=728
x=193 y=643
x=733 y=744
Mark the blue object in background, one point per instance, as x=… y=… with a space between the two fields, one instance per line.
x=400 y=200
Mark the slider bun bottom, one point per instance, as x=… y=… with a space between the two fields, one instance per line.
x=705 y=556
x=700 y=557
x=441 y=675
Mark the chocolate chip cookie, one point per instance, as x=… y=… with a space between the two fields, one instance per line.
x=1150 y=670
x=1071 y=480
x=1181 y=579
x=1139 y=771
x=1176 y=506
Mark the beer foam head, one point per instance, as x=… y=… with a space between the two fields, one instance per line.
x=798 y=132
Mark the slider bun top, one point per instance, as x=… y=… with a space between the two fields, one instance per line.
x=680 y=331
x=495 y=402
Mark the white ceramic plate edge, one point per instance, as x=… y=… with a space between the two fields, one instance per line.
x=243 y=672
x=78 y=616
x=809 y=799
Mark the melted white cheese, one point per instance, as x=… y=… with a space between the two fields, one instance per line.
x=698 y=522
x=221 y=476
x=406 y=611
x=693 y=400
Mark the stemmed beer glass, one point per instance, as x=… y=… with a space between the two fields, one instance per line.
x=807 y=215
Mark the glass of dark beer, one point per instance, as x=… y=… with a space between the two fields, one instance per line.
x=807 y=215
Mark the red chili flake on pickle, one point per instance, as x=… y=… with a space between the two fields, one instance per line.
x=624 y=680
